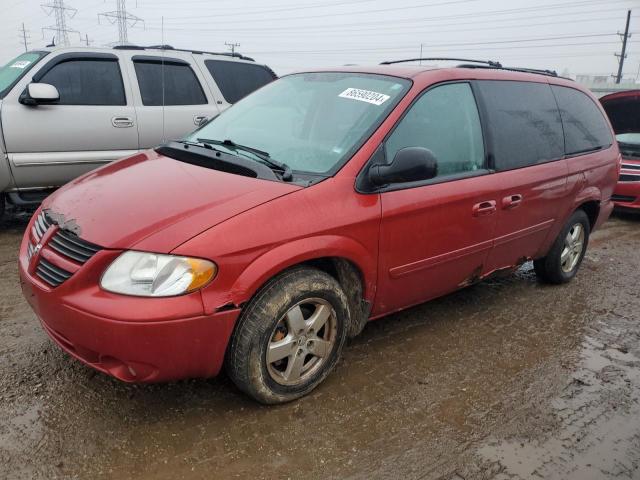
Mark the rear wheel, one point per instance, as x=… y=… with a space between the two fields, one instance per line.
x=565 y=257
x=289 y=337
x=3 y=205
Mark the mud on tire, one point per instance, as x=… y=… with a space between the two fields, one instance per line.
x=564 y=259
x=276 y=336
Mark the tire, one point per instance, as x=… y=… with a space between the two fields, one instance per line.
x=3 y=205
x=565 y=257
x=281 y=349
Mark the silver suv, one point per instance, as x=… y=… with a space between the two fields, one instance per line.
x=65 y=111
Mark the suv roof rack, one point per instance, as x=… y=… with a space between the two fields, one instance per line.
x=490 y=63
x=169 y=47
x=481 y=64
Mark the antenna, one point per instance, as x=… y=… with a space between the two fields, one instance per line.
x=124 y=20
x=61 y=12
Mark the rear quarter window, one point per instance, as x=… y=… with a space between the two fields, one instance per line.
x=585 y=128
x=168 y=84
x=236 y=80
x=523 y=121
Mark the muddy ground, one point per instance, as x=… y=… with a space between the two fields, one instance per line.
x=508 y=379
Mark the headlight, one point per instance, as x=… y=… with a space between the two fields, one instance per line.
x=154 y=275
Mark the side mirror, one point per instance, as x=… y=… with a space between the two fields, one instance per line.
x=410 y=164
x=39 y=93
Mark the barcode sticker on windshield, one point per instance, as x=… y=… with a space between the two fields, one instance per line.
x=365 y=96
x=21 y=64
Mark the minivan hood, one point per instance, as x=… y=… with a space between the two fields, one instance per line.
x=152 y=202
x=623 y=110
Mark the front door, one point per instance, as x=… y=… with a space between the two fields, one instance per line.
x=435 y=236
x=94 y=121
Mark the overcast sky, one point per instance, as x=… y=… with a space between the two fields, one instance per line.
x=578 y=36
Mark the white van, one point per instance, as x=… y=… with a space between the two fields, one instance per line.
x=65 y=111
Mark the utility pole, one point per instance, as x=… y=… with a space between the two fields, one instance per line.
x=61 y=12
x=124 y=20
x=232 y=46
x=25 y=38
x=623 y=54
x=86 y=39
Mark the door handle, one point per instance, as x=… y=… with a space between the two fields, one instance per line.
x=484 y=208
x=122 y=122
x=511 y=201
x=199 y=119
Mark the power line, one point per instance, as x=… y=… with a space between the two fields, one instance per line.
x=61 y=12
x=623 y=54
x=124 y=20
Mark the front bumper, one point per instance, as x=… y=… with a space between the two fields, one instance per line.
x=627 y=193
x=131 y=338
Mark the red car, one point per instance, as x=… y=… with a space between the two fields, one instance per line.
x=323 y=200
x=623 y=109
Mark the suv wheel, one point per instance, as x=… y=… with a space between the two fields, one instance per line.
x=2 y=205
x=289 y=337
x=564 y=259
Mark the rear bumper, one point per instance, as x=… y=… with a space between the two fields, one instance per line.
x=154 y=350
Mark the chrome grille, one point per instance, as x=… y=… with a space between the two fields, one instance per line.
x=631 y=166
x=70 y=245
x=628 y=177
x=51 y=274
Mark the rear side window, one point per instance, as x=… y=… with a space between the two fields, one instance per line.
x=180 y=84
x=524 y=122
x=87 y=82
x=445 y=120
x=236 y=80
x=585 y=128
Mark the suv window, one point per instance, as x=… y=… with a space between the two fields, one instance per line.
x=181 y=86
x=585 y=128
x=445 y=120
x=236 y=80
x=87 y=82
x=524 y=122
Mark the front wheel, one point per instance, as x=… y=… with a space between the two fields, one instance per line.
x=289 y=337
x=565 y=257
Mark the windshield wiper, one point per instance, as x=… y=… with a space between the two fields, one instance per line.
x=287 y=174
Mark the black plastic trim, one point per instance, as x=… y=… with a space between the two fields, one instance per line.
x=159 y=59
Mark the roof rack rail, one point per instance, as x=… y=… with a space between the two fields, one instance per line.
x=491 y=63
x=549 y=73
x=169 y=47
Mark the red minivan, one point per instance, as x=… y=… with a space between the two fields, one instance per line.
x=323 y=200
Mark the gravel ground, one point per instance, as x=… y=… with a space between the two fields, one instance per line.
x=508 y=379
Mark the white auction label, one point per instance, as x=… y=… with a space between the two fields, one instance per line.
x=21 y=64
x=365 y=96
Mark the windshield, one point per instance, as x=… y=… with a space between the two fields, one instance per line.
x=312 y=122
x=15 y=70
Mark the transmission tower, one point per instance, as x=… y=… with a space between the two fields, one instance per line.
x=61 y=12
x=124 y=20
x=24 y=36
x=232 y=46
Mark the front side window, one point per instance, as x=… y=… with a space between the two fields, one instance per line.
x=168 y=84
x=444 y=120
x=236 y=80
x=524 y=123
x=87 y=82
x=313 y=122
x=585 y=128
x=16 y=69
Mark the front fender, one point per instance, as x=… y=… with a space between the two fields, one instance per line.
x=289 y=254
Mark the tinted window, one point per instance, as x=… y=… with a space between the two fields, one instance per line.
x=444 y=120
x=87 y=82
x=181 y=86
x=237 y=80
x=585 y=128
x=524 y=123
